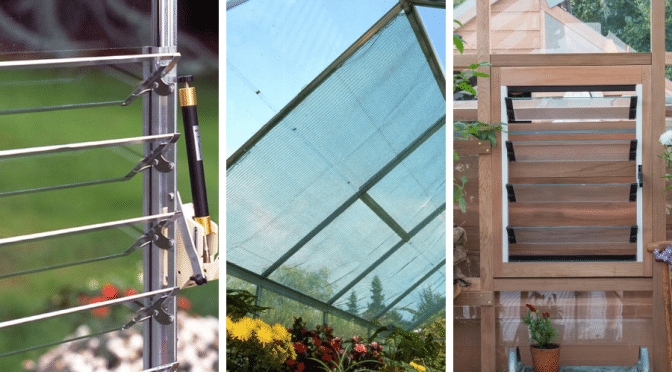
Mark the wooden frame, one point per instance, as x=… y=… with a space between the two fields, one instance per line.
x=567 y=69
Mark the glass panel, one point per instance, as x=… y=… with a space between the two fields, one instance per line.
x=269 y=62
x=65 y=25
x=464 y=11
x=284 y=310
x=558 y=26
x=58 y=88
x=572 y=193
x=595 y=328
x=559 y=108
x=27 y=254
x=57 y=167
x=339 y=253
x=434 y=21
x=417 y=186
x=545 y=151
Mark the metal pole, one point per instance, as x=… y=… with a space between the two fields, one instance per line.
x=159 y=117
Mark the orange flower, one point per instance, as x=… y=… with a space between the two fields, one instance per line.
x=100 y=312
x=130 y=292
x=531 y=307
x=109 y=291
x=183 y=303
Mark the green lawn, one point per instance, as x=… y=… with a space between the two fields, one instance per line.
x=51 y=210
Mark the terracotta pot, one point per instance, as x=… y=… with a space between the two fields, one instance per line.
x=545 y=360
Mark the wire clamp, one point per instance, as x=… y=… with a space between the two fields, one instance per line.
x=153 y=310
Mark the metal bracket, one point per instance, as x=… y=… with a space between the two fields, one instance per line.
x=640 y=176
x=509 y=151
x=509 y=110
x=154 y=235
x=154 y=310
x=199 y=276
x=512 y=235
x=633 y=234
x=633 y=108
x=155 y=159
x=154 y=82
x=633 y=192
x=510 y=193
x=633 y=150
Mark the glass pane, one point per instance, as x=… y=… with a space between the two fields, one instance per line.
x=66 y=25
x=45 y=89
x=56 y=167
x=558 y=26
x=595 y=328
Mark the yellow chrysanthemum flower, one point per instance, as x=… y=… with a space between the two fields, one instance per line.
x=242 y=330
x=418 y=367
x=280 y=333
x=264 y=334
x=229 y=324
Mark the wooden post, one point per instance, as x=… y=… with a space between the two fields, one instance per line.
x=488 y=341
x=660 y=336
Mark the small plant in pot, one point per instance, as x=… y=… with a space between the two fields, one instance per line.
x=545 y=353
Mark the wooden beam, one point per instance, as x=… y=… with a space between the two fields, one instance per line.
x=462 y=61
x=472 y=146
x=650 y=196
x=482 y=298
x=565 y=269
x=571 y=75
x=465 y=110
x=573 y=284
x=570 y=59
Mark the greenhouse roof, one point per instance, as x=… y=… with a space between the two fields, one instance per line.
x=349 y=179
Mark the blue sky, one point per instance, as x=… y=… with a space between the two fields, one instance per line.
x=275 y=48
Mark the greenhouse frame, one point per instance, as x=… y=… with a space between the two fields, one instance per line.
x=347 y=182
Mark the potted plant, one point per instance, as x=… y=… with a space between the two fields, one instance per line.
x=545 y=353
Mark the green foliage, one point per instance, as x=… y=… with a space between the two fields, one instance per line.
x=458 y=194
x=457 y=39
x=542 y=332
x=377 y=297
x=240 y=303
x=352 y=303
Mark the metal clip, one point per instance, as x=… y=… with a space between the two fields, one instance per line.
x=154 y=82
x=154 y=310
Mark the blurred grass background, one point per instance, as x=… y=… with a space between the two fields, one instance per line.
x=32 y=294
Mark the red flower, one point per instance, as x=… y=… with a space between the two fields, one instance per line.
x=291 y=362
x=546 y=315
x=317 y=341
x=531 y=307
x=300 y=367
x=326 y=357
x=130 y=292
x=109 y=291
x=100 y=312
x=376 y=346
x=300 y=347
x=360 y=348
x=335 y=343
x=183 y=303
x=355 y=338
x=327 y=328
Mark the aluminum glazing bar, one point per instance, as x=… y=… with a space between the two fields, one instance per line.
x=387 y=254
x=85 y=61
x=410 y=289
x=364 y=188
x=82 y=229
x=430 y=3
x=426 y=45
x=431 y=311
x=53 y=314
x=139 y=243
x=251 y=277
x=380 y=212
x=314 y=84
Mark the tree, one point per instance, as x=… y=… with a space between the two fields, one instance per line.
x=427 y=300
x=352 y=303
x=377 y=297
